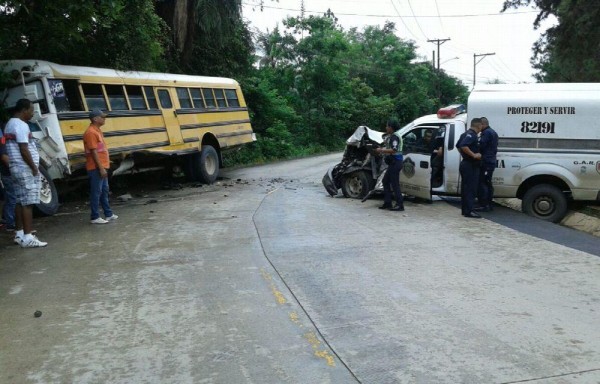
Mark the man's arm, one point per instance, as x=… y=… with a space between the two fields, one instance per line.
x=23 y=148
x=99 y=166
x=468 y=152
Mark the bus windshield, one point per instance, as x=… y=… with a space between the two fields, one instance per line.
x=36 y=95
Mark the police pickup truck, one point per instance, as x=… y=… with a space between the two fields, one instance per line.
x=548 y=152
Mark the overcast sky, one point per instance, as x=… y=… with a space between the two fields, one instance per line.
x=474 y=26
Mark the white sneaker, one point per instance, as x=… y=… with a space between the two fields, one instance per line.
x=111 y=218
x=98 y=221
x=34 y=242
x=18 y=240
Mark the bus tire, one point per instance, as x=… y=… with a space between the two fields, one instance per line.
x=546 y=202
x=206 y=165
x=48 y=205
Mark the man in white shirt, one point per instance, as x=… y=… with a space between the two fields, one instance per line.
x=24 y=161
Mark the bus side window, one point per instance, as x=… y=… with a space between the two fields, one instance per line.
x=136 y=97
x=150 y=97
x=184 y=98
x=232 y=98
x=116 y=97
x=94 y=97
x=197 y=98
x=66 y=95
x=165 y=99
x=209 y=98
x=220 y=98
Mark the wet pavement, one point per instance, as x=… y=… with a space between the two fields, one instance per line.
x=263 y=278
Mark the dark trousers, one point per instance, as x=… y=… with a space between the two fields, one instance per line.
x=437 y=171
x=98 y=195
x=10 y=201
x=469 y=174
x=391 y=181
x=485 y=192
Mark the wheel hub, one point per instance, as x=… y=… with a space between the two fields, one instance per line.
x=544 y=205
x=45 y=191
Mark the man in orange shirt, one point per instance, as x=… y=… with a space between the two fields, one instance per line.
x=97 y=162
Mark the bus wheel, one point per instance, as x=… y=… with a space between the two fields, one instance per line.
x=206 y=165
x=545 y=202
x=48 y=205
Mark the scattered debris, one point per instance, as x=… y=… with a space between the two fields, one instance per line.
x=37 y=313
x=125 y=197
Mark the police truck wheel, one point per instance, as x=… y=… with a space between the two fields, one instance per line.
x=356 y=185
x=545 y=202
x=48 y=205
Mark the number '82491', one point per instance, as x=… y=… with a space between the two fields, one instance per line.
x=537 y=127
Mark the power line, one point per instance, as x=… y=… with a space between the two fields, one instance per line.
x=402 y=20
x=416 y=20
x=439 y=17
x=388 y=16
x=508 y=67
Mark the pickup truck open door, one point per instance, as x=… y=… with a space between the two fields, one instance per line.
x=416 y=176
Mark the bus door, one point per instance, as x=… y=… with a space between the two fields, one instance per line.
x=165 y=101
x=415 y=178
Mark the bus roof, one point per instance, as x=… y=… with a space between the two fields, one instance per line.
x=71 y=71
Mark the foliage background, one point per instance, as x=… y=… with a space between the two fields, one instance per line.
x=308 y=83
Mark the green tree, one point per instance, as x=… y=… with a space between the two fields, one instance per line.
x=124 y=34
x=197 y=24
x=570 y=50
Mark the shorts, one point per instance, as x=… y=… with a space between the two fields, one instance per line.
x=27 y=187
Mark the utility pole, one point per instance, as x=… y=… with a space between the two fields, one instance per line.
x=438 y=42
x=475 y=62
x=439 y=74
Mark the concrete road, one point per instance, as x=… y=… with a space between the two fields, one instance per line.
x=265 y=279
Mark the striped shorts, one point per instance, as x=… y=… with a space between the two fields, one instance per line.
x=27 y=187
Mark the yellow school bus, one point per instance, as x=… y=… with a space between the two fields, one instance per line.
x=153 y=119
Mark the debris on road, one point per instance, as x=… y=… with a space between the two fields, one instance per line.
x=125 y=197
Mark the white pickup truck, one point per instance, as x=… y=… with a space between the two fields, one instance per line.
x=548 y=152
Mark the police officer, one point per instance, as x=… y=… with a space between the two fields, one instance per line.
x=437 y=159
x=468 y=146
x=488 y=147
x=393 y=158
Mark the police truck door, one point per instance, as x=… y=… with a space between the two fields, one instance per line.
x=415 y=178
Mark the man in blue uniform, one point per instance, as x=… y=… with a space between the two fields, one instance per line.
x=488 y=147
x=437 y=159
x=393 y=158
x=468 y=146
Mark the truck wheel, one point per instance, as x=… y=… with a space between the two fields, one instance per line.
x=205 y=165
x=545 y=202
x=48 y=205
x=356 y=185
